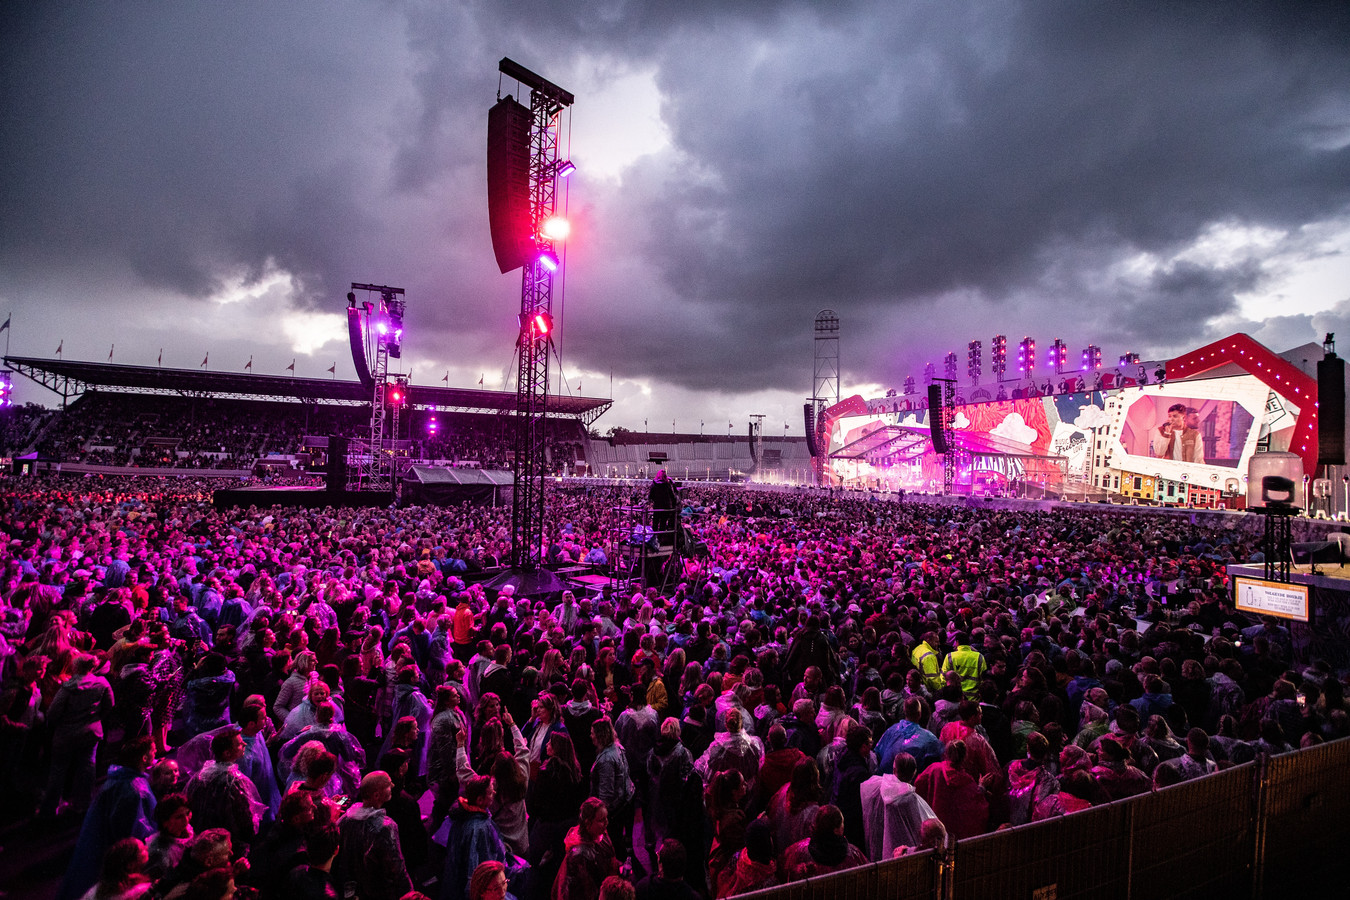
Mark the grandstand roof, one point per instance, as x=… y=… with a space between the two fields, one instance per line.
x=70 y=378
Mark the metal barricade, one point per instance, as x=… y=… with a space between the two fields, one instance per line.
x=1195 y=839
x=1085 y=854
x=914 y=877
x=1304 y=819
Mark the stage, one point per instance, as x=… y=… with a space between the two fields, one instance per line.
x=298 y=497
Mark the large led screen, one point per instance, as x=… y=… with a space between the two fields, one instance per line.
x=1187 y=429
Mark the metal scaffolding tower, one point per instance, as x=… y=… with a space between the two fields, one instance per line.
x=547 y=101
x=825 y=379
x=377 y=467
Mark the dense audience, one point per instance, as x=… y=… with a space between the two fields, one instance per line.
x=330 y=702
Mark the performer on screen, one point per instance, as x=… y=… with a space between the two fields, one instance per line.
x=1181 y=440
x=665 y=499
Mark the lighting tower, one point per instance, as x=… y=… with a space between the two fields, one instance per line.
x=929 y=373
x=974 y=361
x=825 y=383
x=998 y=356
x=1059 y=355
x=1092 y=358
x=1129 y=359
x=1026 y=357
x=949 y=365
x=909 y=385
x=547 y=101
x=377 y=470
x=825 y=378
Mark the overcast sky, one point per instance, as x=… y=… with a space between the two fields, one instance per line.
x=209 y=177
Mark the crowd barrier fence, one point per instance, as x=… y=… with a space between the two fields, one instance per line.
x=1259 y=830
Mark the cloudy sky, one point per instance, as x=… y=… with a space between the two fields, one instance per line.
x=209 y=178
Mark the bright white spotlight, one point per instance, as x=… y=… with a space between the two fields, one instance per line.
x=556 y=228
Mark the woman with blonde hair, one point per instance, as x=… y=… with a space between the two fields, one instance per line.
x=296 y=685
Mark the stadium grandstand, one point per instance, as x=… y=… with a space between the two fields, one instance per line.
x=118 y=416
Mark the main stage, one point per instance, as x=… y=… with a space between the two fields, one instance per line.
x=298 y=497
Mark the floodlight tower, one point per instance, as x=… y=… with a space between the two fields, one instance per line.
x=547 y=101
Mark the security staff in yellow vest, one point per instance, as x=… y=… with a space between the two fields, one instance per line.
x=926 y=660
x=967 y=662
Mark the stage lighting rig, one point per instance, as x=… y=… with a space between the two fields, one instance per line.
x=1026 y=356
x=909 y=384
x=1059 y=355
x=1129 y=359
x=1092 y=358
x=929 y=373
x=998 y=356
x=974 y=361
x=949 y=365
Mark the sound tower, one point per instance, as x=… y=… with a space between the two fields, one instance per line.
x=335 y=475
x=1331 y=411
x=935 y=418
x=508 y=176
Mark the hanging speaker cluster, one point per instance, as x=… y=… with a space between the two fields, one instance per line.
x=809 y=415
x=508 y=177
x=935 y=418
x=1331 y=411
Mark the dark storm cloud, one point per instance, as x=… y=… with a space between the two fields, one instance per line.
x=930 y=172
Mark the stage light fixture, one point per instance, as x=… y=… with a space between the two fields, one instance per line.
x=555 y=228
x=549 y=260
x=1026 y=356
x=565 y=168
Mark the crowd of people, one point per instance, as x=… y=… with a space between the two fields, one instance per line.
x=324 y=703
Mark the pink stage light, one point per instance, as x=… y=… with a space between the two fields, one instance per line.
x=549 y=260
